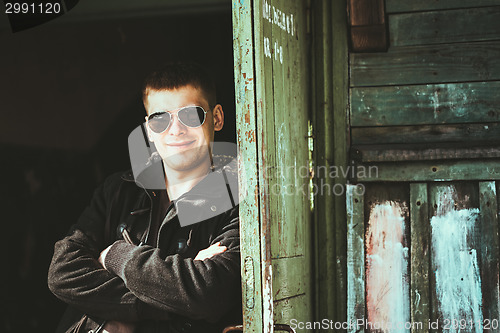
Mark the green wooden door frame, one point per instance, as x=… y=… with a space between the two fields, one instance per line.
x=272 y=80
x=246 y=122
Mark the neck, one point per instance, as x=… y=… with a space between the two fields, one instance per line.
x=180 y=182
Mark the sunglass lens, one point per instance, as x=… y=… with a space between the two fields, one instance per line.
x=159 y=122
x=192 y=116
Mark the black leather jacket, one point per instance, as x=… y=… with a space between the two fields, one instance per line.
x=158 y=287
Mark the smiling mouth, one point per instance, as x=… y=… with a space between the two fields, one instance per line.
x=180 y=144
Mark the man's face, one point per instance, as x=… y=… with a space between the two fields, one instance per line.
x=183 y=148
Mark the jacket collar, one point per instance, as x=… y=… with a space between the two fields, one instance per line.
x=224 y=168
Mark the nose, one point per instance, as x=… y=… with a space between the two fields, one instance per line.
x=176 y=127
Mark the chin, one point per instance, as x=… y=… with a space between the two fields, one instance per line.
x=181 y=162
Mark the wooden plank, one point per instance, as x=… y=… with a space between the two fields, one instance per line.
x=339 y=149
x=427 y=64
x=398 y=6
x=327 y=292
x=372 y=38
x=387 y=257
x=368 y=26
x=288 y=310
x=355 y=255
x=290 y=83
x=288 y=277
x=286 y=71
x=489 y=249
x=366 y=12
x=450 y=26
x=475 y=102
x=397 y=153
x=246 y=125
x=425 y=171
x=455 y=258
x=420 y=256
x=472 y=133
x=265 y=137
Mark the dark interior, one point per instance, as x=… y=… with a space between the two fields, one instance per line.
x=70 y=93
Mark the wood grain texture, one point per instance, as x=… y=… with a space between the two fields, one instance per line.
x=355 y=255
x=398 y=6
x=387 y=256
x=424 y=171
x=427 y=64
x=339 y=149
x=454 y=133
x=455 y=247
x=450 y=26
x=368 y=28
x=327 y=292
x=288 y=277
x=475 y=102
x=398 y=153
x=262 y=136
x=285 y=308
x=366 y=12
x=489 y=249
x=284 y=137
x=420 y=301
x=246 y=122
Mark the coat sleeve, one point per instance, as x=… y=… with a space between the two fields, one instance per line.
x=77 y=278
x=205 y=289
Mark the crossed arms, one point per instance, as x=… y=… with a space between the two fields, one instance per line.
x=141 y=285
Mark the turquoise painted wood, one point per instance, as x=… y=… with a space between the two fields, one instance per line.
x=246 y=123
x=427 y=64
x=451 y=26
x=399 y=6
x=421 y=134
x=427 y=171
x=273 y=75
x=405 y=153
x=455 y=251
x=474 y=102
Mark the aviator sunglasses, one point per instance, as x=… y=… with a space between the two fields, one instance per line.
x=190 y=116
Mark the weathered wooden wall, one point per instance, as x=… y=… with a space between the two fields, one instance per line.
x=423 y=243
x=437 y=84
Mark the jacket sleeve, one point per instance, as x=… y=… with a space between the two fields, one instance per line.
x=77 y=278
x=205 y=289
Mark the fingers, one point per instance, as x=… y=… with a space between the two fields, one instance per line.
x=102 y=256
x=210 y=251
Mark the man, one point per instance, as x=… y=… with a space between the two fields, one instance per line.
x=143 y=260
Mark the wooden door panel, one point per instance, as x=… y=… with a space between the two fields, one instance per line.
x=423 y=254
x=272 y=88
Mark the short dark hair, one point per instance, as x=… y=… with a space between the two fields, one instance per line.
x=181 y=74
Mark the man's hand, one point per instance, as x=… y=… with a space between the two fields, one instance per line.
x=210 y=251
x=102 y=256
x=114 y=326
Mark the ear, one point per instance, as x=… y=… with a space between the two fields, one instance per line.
x=218 y=116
